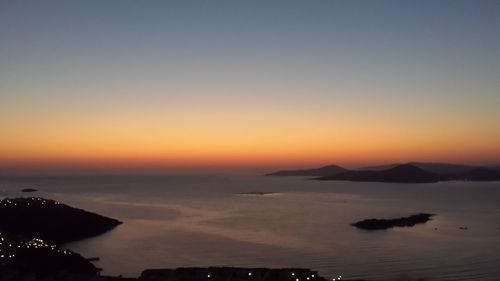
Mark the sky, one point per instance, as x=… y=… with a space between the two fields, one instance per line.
x=163 y=85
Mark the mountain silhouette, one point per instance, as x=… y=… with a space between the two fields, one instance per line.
x=413 y=172
x=323 y=171
x=480 y=174
x=402 y=173
x=433 y=167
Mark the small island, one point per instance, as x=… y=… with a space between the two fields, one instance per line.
x=29 y=190
x=380 y=224
x=258 y=193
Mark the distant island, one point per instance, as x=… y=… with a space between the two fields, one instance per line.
x=323 y=171
x=261 y=193
x=379 y=224
x=401 y=173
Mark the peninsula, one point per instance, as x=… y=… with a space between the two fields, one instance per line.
x=32 y=230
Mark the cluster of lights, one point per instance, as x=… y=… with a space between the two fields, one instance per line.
x=293 y=274
x=4 y=244
x=10 y=202
x=7 y=256
x=338 y=278
x=34 y=243
x=249 y=274
x=39 y=243
x=7 y=202
x=312 y=276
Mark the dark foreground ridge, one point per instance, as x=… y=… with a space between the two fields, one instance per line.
x=51 y=221
x=32 y=230
x=230 y=273
x=379 y=224
x=21 y=257
x=190 y=274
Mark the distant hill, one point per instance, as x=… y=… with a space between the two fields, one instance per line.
x=413 y=172
x=402 y=173
x=480 y=174
x=437 y=168
x=323 y=171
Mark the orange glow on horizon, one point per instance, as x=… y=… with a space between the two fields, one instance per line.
x=293 y=155
x=242 y=137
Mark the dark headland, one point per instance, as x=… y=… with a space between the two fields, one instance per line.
x=32 y=230
x=413 y=172
x=51 y=221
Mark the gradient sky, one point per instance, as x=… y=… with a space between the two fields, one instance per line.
x=183 y=84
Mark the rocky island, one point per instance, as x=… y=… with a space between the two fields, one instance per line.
x=380 y=224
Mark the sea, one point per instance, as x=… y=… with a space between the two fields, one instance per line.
x=212 y=220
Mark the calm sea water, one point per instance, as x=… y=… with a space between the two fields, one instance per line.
x=175 y=221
